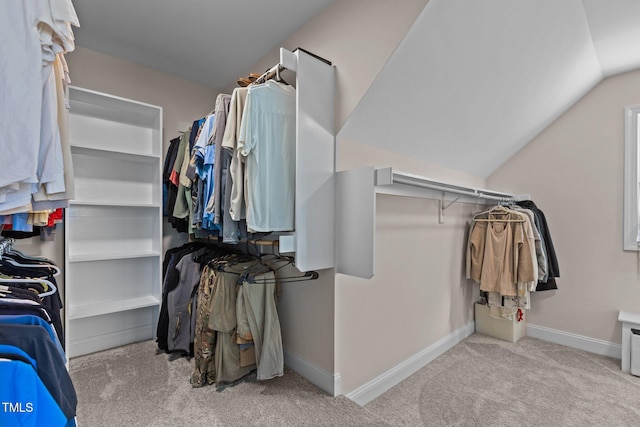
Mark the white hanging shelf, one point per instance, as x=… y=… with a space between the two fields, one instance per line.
x=356 y=205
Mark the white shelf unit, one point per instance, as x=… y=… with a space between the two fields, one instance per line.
x=313 y=241
x=113 y=228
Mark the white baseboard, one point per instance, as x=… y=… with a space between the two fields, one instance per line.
x=374 y=388
x=592 y=345
x=331 y=383
x=79 y=347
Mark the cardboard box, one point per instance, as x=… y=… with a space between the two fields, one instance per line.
x=504 y=329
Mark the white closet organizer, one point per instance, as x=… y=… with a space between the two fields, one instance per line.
x=313 y=239
x=113 y=228
x=356 y=191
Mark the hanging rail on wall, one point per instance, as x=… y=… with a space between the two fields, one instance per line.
x=388 y=181
x=270 y=74
x=288 y=61
x=356 y=191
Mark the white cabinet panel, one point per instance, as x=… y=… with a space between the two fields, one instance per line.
x=110 y=230
x=106 y=282
x=113 y=229
x=91 y=334
x=93 y=132
x=104 y=179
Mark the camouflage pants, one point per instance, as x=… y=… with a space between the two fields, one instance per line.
x=205 y=338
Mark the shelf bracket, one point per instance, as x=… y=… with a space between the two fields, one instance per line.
x=442 y=206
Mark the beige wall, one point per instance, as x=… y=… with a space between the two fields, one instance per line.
x=181 y=100
x=574 y=172
x=418 y=295
x=357 y=36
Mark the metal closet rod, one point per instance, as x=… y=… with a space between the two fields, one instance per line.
x=463 y=191
x=288 y=61
x=270 y=73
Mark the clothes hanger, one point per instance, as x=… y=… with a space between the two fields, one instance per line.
x=20 y=257
x=9 y=260
x=309 y=275
x=7 y=250
x=499 y=210
x=52 y=288
x=279 y=78
x=286 y=259
x=13 y=251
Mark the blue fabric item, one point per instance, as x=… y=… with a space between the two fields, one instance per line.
x=8 y=309
x=24 y=400
x=30 y=319
x=20 y=222
x=52 y=371
x=13 y=350
x=195 y=127
x=206 y=170
x=165 y=199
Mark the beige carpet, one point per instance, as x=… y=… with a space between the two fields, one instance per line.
x=480 y=382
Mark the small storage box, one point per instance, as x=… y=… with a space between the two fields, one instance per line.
x=635 y=352
x=504 y=329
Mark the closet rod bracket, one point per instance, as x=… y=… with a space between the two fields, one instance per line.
x=442 y=206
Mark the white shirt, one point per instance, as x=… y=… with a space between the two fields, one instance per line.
x=237 y=209
x=34 y=30
x=269 y=134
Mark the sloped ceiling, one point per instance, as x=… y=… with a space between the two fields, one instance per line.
x=212 y=42
x=474 y=81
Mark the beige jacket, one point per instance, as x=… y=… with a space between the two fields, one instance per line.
x=501 y=254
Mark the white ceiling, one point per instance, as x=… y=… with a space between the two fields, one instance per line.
x=485 y=76
x=206 y=41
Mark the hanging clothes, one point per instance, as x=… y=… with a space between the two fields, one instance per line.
x=501 y=257
x=22 y=273
x=171 y=278
x=268 y=142
x=219 y=306
x=34 y=119
x=508 y=255
x=181 y=303
x=230 y=141
x=238 y=164
x=552 y=259
x=32 y=358
x=21 y=387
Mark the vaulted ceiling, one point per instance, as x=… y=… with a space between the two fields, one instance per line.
x=470 y=85
x=474 y=81
x=206 y=41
